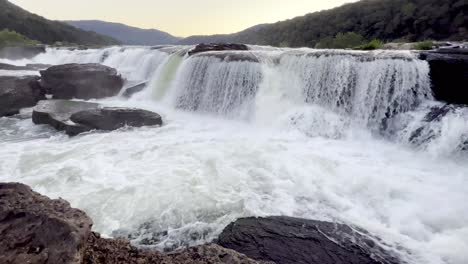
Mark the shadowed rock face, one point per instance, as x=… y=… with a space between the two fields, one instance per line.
x=17 y=93
x=216 y=47
x=291 y=240
x=112 y=118
x=81 y=81
x=449 y=74
x=35 y=229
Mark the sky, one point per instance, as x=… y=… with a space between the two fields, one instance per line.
x=179 y=17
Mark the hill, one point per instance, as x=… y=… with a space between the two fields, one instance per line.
x=388 y=20
x=46 y=31
x=126 y=34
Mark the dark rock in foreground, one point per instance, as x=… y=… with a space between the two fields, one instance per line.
x=129 y=92
x=292 y=240
x=216 y=47
x=112 y=118
x=18 y=52
x=36 y=230
x=449 y=74
x=81 y=81
x=18 y=92
x=57 y=113
x=75 y=117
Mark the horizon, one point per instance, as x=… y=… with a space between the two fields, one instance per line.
x=206 y=18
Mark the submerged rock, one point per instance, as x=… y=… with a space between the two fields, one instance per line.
x=292 y=240
x=449 y=74
x=18 y=92
x=129 y=92
x=75 y=117
x=35 y=229
x=112 y=118
x=81 y=81
x=216 y=47
x=57 y=113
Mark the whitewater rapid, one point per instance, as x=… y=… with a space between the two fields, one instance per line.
x=288 y=132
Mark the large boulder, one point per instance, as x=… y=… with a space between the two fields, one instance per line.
x=35 y=229
x=216 y=47
x=18 y=92
x=81 y=81
x=292 y=240
x=57 y=113
x=112 y=118
x=449 y=74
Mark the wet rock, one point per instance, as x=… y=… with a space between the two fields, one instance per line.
x=129 y=92
x=449 y=74
x=216 y=47
x=232 y=56
x=57 y=113
x=112 y=118
x=18 y=92
x=19 y=52
x=81 y=81
x=35 y=229
x=292 y=240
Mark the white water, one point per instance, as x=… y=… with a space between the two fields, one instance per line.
x=299 y=134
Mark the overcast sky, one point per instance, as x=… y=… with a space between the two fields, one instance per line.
x=179 y=17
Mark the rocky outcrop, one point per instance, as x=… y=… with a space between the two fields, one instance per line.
x=216 y=47
x=81 y=81
x=112 y=118
x=37 y=230
x=449 y=74
x=19 y=52
x=292 y=240
x=75 y=117
x=18 y=92
x=129 y=92
x=28 y=67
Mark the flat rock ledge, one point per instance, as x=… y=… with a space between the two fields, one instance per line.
x=76 y=117
x=37 y=230
x=216 y=47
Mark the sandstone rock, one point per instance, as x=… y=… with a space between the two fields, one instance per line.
x=35 y=229
x=129 y=92
x=18 y=92
x=81 y=81
x=292 y=240
x=216 y=47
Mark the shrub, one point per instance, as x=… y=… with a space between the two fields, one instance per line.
x=11 y=38
x=341 y=41
x=424 y=45
x=372 y=45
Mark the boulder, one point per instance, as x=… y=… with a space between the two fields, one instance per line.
x=18 y=92
x=292 y=240
x=57 y=113
x=81 y=81
x=216 y=47
x=449 y=74
x=112 y=118
x=35 y=229
x=21 y=52
x=129 y=92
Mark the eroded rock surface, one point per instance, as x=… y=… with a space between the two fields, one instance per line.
x=18 y=92
x=216 y=47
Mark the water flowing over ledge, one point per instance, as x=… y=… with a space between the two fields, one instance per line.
x=324 y=135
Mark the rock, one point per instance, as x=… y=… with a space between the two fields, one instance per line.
x=292 y=240
x=28 y=67
x=18 y=92
x=81 y=81
x=57 y=113
x=19 y=52
x=216 y=47
x=112 y=118
x=129 y=92
x=35 y=229
x=230 y=56
x=449 y=74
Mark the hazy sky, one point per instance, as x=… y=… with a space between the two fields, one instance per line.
x=179 y=17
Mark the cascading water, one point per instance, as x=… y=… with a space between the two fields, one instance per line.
x=346 y=136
